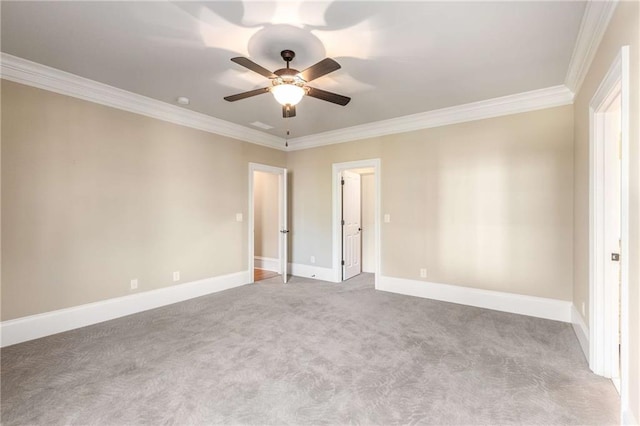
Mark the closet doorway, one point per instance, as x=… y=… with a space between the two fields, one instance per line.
x=356 y=218
x=268 y=236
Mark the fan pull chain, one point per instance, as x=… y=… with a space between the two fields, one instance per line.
x=286 y=140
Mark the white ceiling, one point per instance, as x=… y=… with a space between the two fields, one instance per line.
x=397 y=58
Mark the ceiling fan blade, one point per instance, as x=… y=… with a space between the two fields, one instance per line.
x=244 y=95
x=328 y=96
x=248 y=63
x=323 y=67
x=288 y=111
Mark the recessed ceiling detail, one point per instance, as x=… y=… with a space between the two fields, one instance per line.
x=398 y=58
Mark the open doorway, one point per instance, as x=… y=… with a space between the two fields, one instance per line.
x=609 y=226
x=266 y=226
x=358 y=228
x=268 y=233
x=356 y=189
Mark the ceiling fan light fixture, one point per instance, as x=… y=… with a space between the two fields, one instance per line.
x=289 y=85
x=288 y=94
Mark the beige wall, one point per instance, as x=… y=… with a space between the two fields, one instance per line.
x=265 y=198
x=484 y=204
x=623 y=30
x=93 y=196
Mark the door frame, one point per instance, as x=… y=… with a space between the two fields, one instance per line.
x=601 y=308
x=337 y=169
x=282 y=216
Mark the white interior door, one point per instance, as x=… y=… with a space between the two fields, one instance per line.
x=609 y=186
x=351 y=226
x=612 y=220
x=284 y=230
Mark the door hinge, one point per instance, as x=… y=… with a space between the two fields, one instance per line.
x=343 y=223
x=342 y=182
x=343 y=263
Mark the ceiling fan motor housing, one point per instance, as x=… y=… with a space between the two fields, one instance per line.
x=288 y=55
x=287 y=75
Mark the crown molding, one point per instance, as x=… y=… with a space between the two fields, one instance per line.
x=505 y=105
x=595 y=21
x=22 y=71
x=41 y=76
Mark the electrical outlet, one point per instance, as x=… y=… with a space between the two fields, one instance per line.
x=238 y=217
x=313 y=259
x=176 y=276
x=134 y=284
x=387 y=218
x=423 y=273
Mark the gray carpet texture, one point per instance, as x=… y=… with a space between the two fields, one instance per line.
x=307 y=353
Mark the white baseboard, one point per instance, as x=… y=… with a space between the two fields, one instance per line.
x=40 y=325
x=581 y=330
x=308 y=271
x=628 y=419
x=553 y=309
x=267 y=263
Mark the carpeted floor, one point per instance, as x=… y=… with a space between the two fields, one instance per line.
x=308 y=352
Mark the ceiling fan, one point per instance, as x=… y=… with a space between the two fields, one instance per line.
x=289 y=85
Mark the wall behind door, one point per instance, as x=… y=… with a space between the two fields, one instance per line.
x=265 y=199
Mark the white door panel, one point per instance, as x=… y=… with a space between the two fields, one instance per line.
x=351 y=229
x=612 y=221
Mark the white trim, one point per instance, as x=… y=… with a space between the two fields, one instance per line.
x=309 y=271
x=581 y=330
x=267 y=263
x=618 y=73
x=41 y=76
x=553 y=309
x=628 y=418
x=505 y=105
x=40 y=325
x=337 y=169
x=596 y=18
